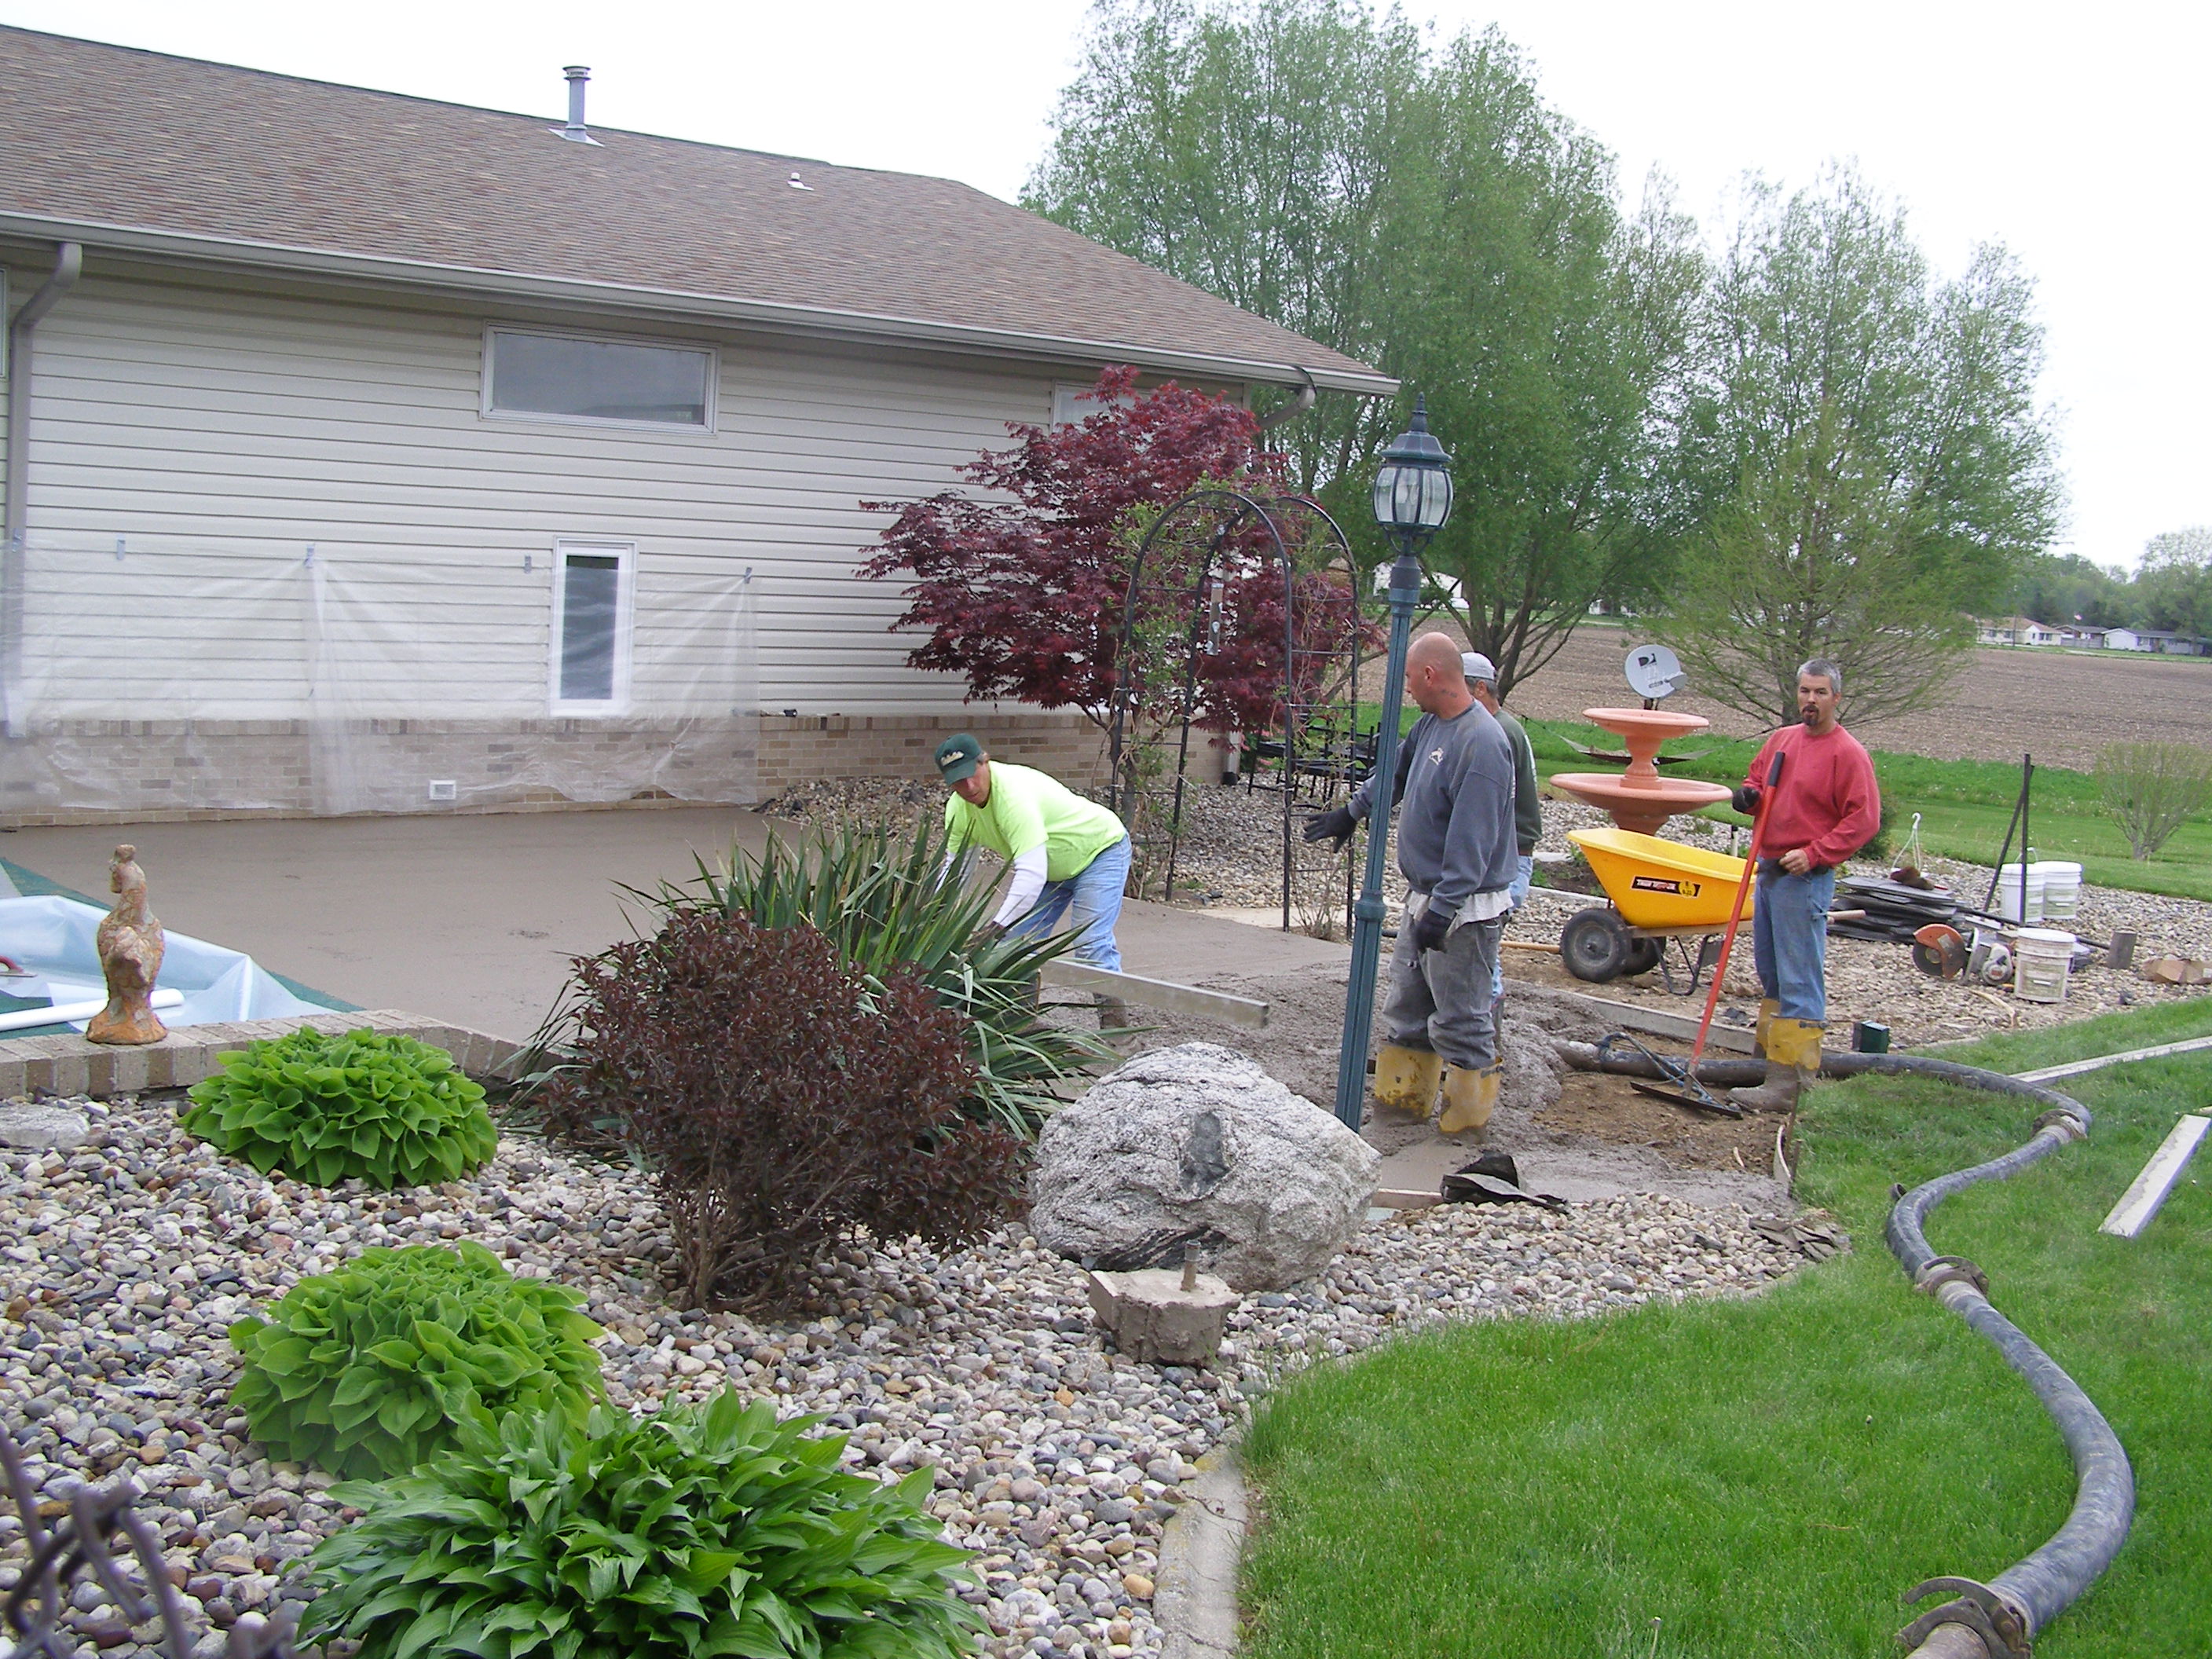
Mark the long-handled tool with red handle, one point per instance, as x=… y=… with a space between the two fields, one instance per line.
x=1695 y=1093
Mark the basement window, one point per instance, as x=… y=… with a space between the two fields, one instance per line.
x=590 y=665
x=571 y=377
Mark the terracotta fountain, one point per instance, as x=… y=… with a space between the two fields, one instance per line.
x=1640 y=799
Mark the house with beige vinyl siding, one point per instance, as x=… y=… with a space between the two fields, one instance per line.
x=378 y=454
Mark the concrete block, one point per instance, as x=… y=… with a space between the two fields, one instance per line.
x=98 y=1069
x=131 y=1069
x=72 y=1075
x=1152 y=1317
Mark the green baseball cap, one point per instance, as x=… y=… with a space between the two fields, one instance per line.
x=957 y=757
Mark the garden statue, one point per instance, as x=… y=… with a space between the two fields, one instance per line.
x=131 y=946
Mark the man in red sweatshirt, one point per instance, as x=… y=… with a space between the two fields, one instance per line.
x=1825 y=808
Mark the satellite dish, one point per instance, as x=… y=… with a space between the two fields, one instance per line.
x=1654 y=671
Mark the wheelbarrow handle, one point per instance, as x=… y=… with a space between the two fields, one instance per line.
x=1760 y=810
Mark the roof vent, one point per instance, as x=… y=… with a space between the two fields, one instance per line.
x=575 y=131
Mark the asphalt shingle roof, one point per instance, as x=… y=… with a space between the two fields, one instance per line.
x=103 y=136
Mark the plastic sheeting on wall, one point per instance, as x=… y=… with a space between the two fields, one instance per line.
x=164 y=672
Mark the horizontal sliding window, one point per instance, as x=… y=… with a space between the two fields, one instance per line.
x=566 y=377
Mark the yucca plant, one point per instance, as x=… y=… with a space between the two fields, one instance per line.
x=888 y=899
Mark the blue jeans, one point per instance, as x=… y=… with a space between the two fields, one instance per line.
x=1524 y=872
x=1095 y=891
x=1789 y=941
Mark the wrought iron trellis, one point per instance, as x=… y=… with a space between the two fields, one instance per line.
x=1176 y=601
x=93 y=1537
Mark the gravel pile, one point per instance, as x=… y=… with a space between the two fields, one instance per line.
x=1057 y=1460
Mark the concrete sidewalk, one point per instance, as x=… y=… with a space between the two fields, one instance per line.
x=473 y=919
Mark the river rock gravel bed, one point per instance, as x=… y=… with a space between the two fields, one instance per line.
x=1057 y=1460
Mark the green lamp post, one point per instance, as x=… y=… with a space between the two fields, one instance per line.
x=1412 y=498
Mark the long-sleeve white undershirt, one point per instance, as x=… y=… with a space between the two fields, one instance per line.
x=1023 y=888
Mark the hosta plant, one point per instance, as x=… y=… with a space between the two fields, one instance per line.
x=702 y=1531
x=367 y=1370
x=387 y=1109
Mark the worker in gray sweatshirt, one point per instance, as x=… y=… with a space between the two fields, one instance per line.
x=1456 y=850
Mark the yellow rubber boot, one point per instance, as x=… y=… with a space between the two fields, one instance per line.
x=1406 y=1080
x=1793 y=1060
x=1469 y=1098
x=1768 y=1008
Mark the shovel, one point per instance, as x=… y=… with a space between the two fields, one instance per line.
x=1693 y=1092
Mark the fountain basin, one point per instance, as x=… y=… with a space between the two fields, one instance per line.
x=1640 y=799
x=1641 y=807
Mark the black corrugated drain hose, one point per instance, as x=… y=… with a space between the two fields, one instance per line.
x=1999 y=1619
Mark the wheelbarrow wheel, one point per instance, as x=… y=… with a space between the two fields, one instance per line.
x=1644 y=956
x=1595 y=945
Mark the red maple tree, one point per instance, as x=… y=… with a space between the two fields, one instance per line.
x=1025 y=597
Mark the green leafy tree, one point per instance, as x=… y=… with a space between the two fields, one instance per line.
x=2174 y=587
x=2065 y=588
x=1427 y=212
x=1873 y=464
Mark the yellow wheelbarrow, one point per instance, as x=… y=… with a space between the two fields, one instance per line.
x=1661 y=890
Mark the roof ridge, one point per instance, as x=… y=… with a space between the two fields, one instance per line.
x=555 y=119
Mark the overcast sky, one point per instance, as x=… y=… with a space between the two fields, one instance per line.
x=2075 y=136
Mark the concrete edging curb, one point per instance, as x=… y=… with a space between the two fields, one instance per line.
x=72 y=1066
x=1194 y=1598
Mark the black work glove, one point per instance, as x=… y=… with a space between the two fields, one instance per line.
x=989 y=933
x=1429 y=932
x=1746 y=799
x=1336 y=825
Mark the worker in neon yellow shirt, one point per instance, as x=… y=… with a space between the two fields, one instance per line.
x=1067 y=853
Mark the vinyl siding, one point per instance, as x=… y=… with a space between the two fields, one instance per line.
x=220 y=435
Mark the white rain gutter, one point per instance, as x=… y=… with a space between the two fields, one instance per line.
x=68 y=265
x=822 y=322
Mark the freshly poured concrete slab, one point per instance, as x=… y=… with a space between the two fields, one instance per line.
x=475 y=918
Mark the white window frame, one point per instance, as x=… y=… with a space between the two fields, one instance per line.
x=668 y=428
x=1073 y=403
x=625 y=553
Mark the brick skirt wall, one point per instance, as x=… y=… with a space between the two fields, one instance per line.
x=796 y=748
x=166 y=771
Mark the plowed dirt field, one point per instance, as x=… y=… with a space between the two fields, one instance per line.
x=2062 y=706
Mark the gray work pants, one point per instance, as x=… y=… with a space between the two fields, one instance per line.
x=1441 y=999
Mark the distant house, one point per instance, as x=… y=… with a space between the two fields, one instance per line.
x=2015 y=630
x=2081 y=637
x=381 y=454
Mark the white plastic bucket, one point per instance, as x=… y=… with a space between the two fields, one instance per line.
x=2061 y=888
x=2007 y=900
x=2042 y=957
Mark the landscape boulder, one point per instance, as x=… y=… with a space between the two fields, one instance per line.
x=34 y=1126
x=1197 y=1146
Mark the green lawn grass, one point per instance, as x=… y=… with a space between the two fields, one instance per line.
x=1767 y=1476
x=1965 y=806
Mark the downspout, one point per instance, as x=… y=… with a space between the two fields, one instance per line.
x=1297 y=406
x=68 y=265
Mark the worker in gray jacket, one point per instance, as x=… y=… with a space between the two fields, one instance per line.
x=1456 y=851
x=1528 y=805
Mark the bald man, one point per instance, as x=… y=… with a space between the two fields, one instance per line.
x=1457 y=852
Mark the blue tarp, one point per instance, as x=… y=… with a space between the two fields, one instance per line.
x=54 y=939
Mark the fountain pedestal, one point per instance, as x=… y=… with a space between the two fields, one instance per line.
x=1642 y=799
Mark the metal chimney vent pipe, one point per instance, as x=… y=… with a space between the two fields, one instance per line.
x=575 y=131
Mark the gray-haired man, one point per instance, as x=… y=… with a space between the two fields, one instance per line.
x=1527 y=806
